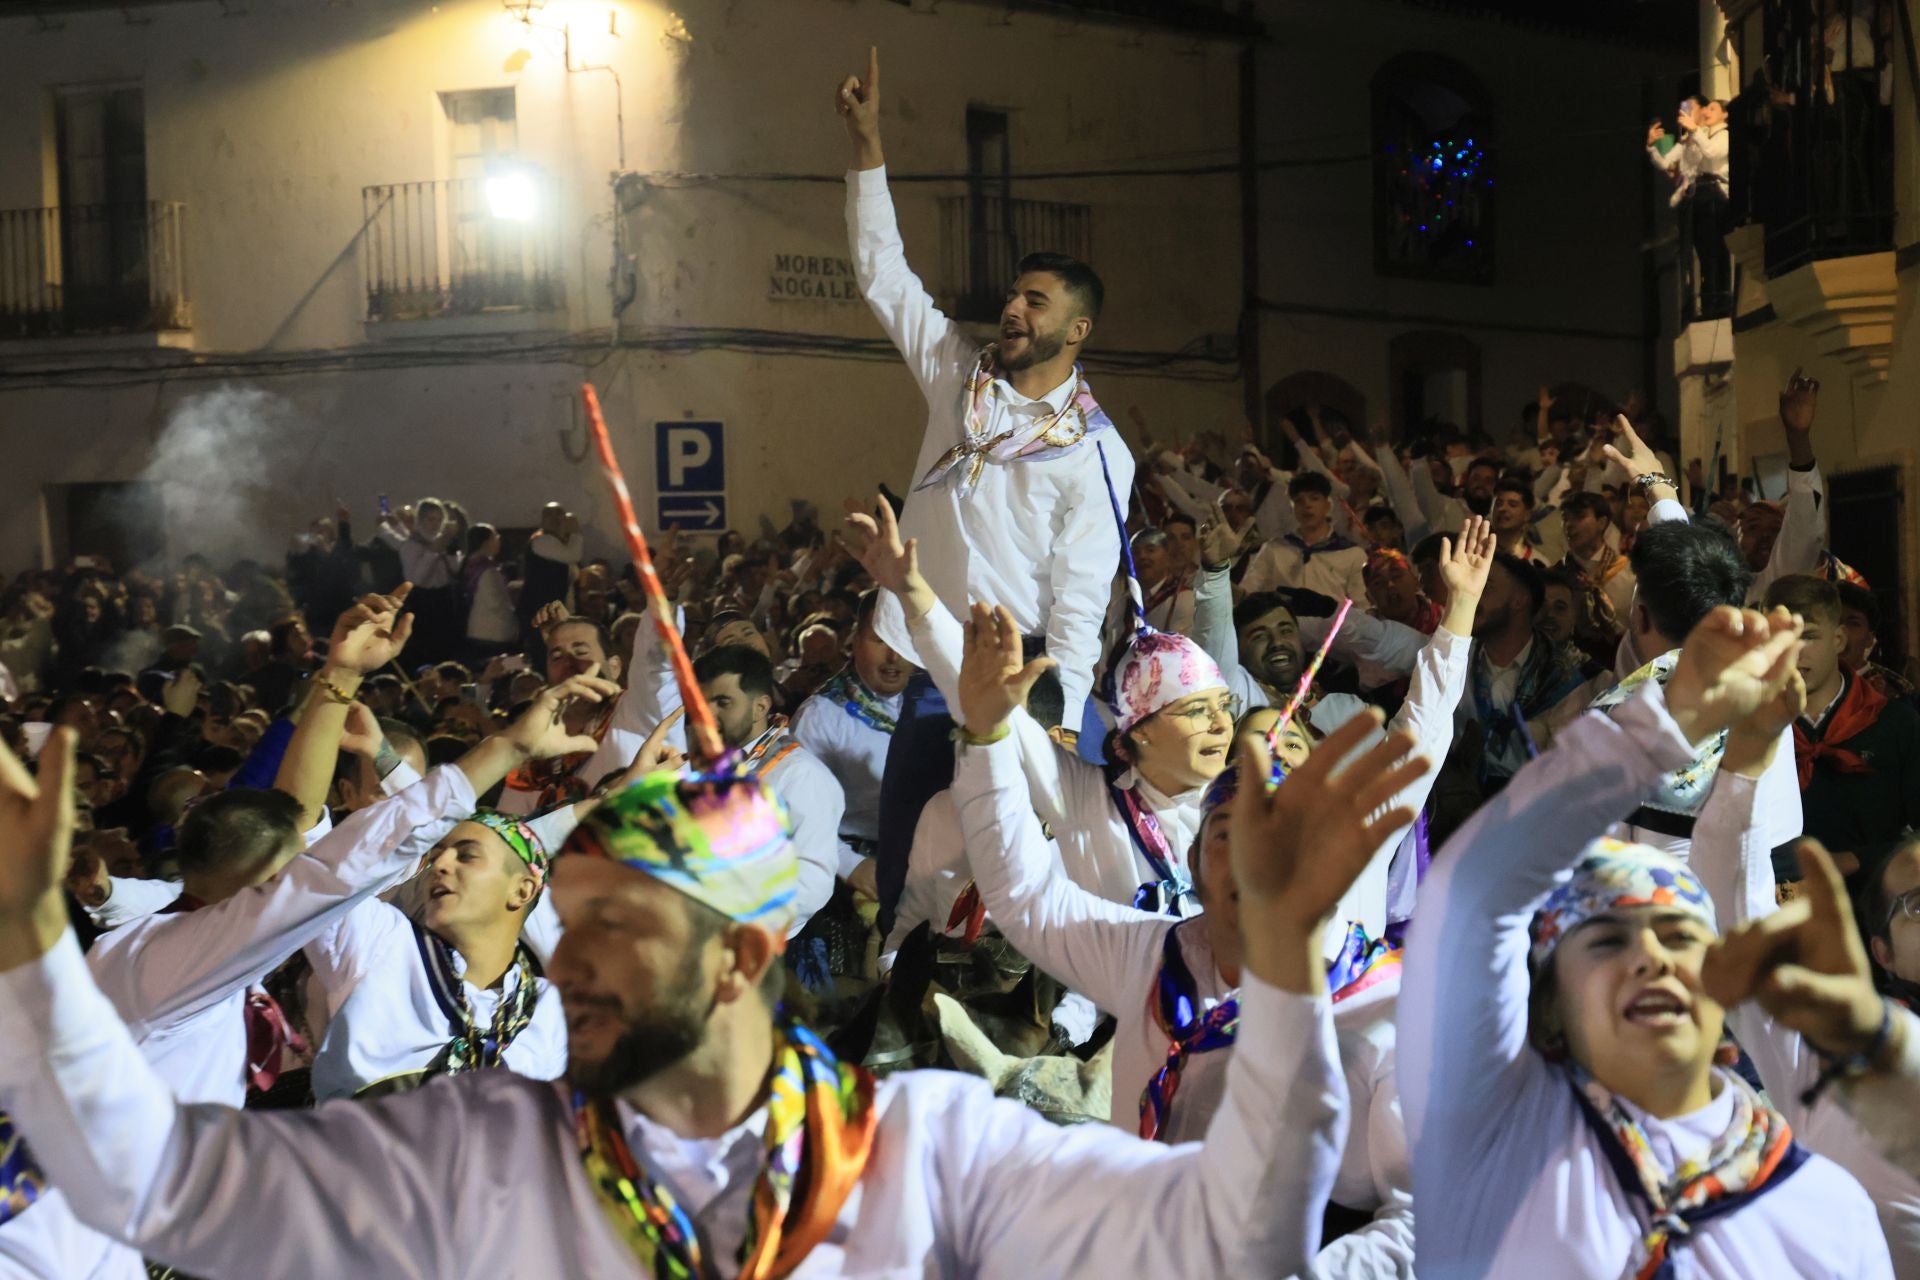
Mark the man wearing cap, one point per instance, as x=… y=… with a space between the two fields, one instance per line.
x=702 y=1130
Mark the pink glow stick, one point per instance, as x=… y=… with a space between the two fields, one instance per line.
x=1306 y=678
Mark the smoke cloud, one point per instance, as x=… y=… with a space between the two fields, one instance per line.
x=215 y=465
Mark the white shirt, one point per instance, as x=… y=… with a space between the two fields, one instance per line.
x=479 y=1175
x=179 y=982
x=491 y=618
x=1510 y=1180
x=807 y=787
x=1071 y=796
x=937 y=874
x=1884 y=1102
x=1038 y=537
x=1340 y=573
x=1734 y=861
x=427 y=565
x=856 y=754
x=387 y=1020
x=1112 y=954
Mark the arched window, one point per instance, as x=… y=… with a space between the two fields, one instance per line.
x=1433 y=171
x=1436 y=377
x=1339 y=403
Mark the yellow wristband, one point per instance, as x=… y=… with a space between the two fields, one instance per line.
x=965 y=739
x=332 y=691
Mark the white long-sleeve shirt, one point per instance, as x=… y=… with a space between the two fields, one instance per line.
x=1510 y=1180
x=1112 y=955
x=807 y=787
x=178 y=985
x=479 y=1175
x=1336 y=572
x=1734 y=861
x=1097 y=848
x=855 y=752
x=427 y=564
x=1036 y=536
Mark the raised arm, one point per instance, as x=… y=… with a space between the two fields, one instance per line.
x=1803 y=530
x=933 y=345
x=365 y=638
x=1104 y=951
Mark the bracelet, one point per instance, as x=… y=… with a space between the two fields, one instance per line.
x=1653 y=478
x=331 y=690
x=1851 y=1065
x=965 y=739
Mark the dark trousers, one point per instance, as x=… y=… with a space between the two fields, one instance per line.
x=1709 y=218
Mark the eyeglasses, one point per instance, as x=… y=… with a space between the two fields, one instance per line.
x=1907 y=904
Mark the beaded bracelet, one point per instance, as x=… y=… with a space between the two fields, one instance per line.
x=1848 y=1066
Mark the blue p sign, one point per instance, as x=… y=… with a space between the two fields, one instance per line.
x=689 y=457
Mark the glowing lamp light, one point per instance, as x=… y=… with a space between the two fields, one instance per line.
x=512 y=195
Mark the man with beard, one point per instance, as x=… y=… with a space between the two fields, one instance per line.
x=707 y=1130
x=848 y=723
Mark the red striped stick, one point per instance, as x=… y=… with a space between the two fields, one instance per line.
x=703 y=732
x=1306 y=679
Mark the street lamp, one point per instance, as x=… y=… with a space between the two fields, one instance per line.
x=512 y=195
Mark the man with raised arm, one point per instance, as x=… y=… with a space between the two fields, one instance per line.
x=1011 y=491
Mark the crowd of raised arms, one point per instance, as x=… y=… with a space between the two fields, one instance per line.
x=1401 y=851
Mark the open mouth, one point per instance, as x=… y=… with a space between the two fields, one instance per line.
x=1657 y=1009
x=439 y=891
x=1213 y=753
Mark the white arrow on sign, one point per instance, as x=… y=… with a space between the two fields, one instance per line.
x=707 y=511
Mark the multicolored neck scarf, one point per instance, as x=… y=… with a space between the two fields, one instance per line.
x=1033 y=441
x=820 y=1122
x=1170 y=883
x=1363 y=963
x=1756 y=1154
x=850 y=693
x=1859 y=707
x=553 y=780
x=1544 y=680
x=473 y=1048
x=767 y=750
x=21 y=1181
x=1683 y=791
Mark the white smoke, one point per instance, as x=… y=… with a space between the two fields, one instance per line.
x=216 y=464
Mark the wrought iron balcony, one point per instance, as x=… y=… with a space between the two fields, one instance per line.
x=441 y=249
x=93 y=269
x=983 y=239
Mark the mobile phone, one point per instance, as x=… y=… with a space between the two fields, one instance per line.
x=386 y=508
x=85 y=562
x=470 y=693
x=513 y=662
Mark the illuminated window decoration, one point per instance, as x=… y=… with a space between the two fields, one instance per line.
x=1433 y=173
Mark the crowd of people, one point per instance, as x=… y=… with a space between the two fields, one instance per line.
x=1359 y=851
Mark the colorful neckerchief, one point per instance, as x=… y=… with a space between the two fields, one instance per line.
x=267 y=1028
x=1684 y=790
x=1363 y=963
x=1754 y=1155
x=1169 y=886
x=851 y=694
x=21 y=1181
x=1859 y=707
x=1166 y=592
x=471 y=1048
x=767 y=750
x=1834 y=569
x=820 y=1122
x=1039 y=439
x=553 y=781
x=1544 y=680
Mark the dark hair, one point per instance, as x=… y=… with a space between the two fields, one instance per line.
x=444 y=748
x=1257 y=606
x=1526 y=575
x=1082 y=281
x=1514 y=484
x=576 y=620
x=1150 y=538
x=478 y=536
x=1875 y=903
x=1489 y=463
x=1591 y=504
x=243 y=824
x=1309 y=482
x=278 y=634
x=1181 y=517
x=755 y=672
x=1685 y=570
x=1375 y=514
x=453 y=671
x=1047 y=701
x=1805 y=594
x=1856 y=597
x=1427 y=550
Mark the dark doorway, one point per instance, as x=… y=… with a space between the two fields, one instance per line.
x=123 y=522
x=1865 y=524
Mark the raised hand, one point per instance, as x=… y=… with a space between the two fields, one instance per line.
x=362 y=735
x=1752 y=740
x=993 y=677
x=36 y=846
x=1297 y=849
x=1804 y=963
x=541 y=732
x=549 y=613
x=1218 y=541
x=1799 y=401
x=371 y=634
x=858 y=102
x=656 y=753
x=874 y=540
x=1464 y=565
x=1732 y=663
x=181 y=694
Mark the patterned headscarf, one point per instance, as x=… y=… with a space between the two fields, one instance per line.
x=724 y=842
x=1158 y=669
x=1614 y=874
x=521 y=838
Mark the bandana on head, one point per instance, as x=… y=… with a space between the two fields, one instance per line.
x=1614 y=874
x=721 y=841
x=1158 y=669
x=521 y=838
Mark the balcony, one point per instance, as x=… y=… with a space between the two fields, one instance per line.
x=93 y=269
x=983 y=238
x=444 y=249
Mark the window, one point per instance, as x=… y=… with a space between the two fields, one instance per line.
x=101 y=145
x=1433 y=171
x=482 y=130
x=986 y=232
x=1436 y=378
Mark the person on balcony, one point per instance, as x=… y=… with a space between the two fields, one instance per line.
x=1699 y=168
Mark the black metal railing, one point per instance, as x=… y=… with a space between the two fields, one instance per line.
x=983 y=238
x=93 y=269
x=1813 y=142
x=443 y=248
